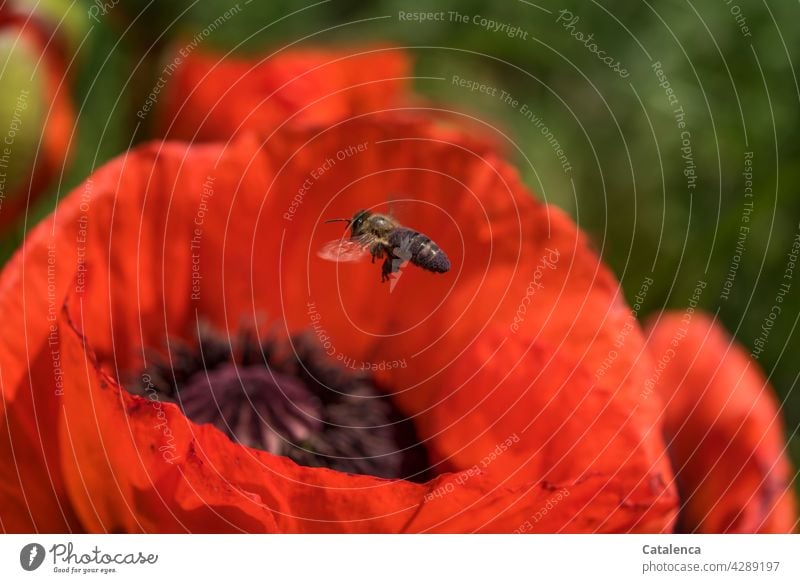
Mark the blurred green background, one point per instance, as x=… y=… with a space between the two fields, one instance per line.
x=730 y=65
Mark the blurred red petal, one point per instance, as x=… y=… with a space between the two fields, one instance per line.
x=215 y=96
x=519 y=411
x=723 y=429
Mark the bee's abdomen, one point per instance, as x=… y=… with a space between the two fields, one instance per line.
x=413 y=246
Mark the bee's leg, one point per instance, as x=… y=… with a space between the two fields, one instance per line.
x=390 y=266
x=377 y=253
x=386 y=270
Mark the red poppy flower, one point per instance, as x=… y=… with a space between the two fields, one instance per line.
x=212 y=96
x=36 y=103
x=182 y=251
x=723 y=429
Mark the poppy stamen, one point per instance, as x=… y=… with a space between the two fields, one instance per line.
x=290 y=399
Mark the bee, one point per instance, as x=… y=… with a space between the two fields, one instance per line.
x=382 y=237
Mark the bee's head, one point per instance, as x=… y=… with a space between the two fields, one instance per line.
x=358 y=220
x=356 y=223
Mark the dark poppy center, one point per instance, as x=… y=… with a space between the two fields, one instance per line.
x=289 y=398
x=253 y=405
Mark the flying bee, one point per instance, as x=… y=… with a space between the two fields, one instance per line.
x=382 y=237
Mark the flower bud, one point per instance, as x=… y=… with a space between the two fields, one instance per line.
x=36 y=114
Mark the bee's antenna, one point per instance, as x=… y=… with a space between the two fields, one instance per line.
x=348 y=221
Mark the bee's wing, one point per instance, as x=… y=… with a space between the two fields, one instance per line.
x=341 y=250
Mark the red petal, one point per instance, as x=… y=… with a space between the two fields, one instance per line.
x=723 y=429
x=32 y=287
x=137 y=465
x=213 y=97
